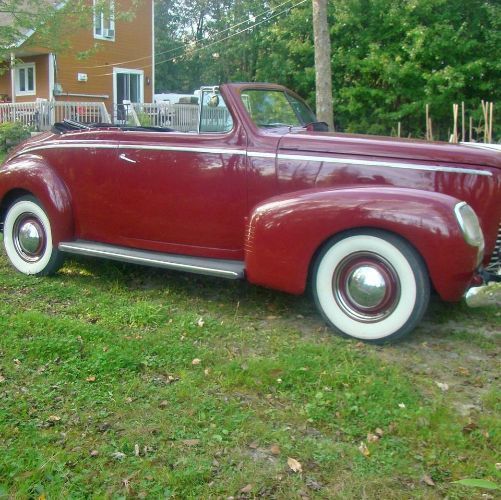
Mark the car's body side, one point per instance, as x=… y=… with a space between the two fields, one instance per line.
x=269 y=199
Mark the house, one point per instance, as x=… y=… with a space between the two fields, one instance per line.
x=119 y=66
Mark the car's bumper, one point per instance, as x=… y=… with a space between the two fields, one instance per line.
x=487 y=292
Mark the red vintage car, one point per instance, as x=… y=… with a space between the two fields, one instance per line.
x=262 y=191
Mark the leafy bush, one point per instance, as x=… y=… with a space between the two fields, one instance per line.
x=12 y=134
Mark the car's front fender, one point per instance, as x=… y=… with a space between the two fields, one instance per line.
x=285 y=233
x=31 y=174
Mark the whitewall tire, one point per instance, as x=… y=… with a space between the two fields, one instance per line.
x=27 y=236
x=370 y=285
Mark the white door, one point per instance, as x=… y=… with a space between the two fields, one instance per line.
x=128 y=86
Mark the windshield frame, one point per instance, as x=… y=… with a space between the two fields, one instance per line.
x=290 y=97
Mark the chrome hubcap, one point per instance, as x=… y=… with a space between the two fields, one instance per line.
x=366 y=287
x=29 y=238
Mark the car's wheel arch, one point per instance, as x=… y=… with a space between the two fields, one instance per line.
x=285 y=233
x=38 y=179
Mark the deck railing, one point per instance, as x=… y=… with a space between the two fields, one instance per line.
x=41 y=115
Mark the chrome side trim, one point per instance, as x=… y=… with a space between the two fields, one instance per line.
x=371 y=163
x=257 y=154
x=481 y=145
x=186 y=149
x=213 y=267
x=97 y=145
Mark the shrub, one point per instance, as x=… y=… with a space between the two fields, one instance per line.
x=12 y=134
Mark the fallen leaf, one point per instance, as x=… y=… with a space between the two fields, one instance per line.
x=275 y=449
x=359 y=345
x=498 y=466
x=94 y=453
x=271 y=318
x=463 y=371
x=426 y=479
x=469 y=428
x=136 y=450
x=118 y=455
x=294 y=465
x=372 y=438
x=442 y=386
x=313 y=484
x=207 y=371
x=163 y=404
x=379 y=432
x=2 y=379
x=200 y=322
x=246 y=489
x=91 y=378
x=191 y=442
x=17 y=362
x=401 y=405
x=128 y=400
x=196 y=361
x=54 y=418
x=254 y=446
x=364 y=450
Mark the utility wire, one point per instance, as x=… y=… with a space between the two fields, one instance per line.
x=182 y=46
x=288 y=9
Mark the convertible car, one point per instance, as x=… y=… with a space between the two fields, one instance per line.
x=261 y=190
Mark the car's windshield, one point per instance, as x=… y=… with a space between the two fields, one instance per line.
x=276 y=108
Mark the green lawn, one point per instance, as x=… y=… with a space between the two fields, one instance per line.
x=126 y=382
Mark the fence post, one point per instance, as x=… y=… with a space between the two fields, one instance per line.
x=104 y=113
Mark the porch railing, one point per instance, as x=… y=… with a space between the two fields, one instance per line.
x=41 y=115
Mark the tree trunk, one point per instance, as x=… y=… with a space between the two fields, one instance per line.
x=323 y=73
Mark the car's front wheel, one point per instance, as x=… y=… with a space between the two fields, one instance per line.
x=370 y=285
x=28 y=238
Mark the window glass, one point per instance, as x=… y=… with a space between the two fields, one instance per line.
x=215 y=116
x=25 y=79
x=104 y=19
x=275 y=108
x=31 y=84
x=22 y=80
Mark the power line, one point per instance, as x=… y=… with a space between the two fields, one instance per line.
x=181 y=46
x=288 y=9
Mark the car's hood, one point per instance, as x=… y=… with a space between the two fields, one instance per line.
x=389 y=147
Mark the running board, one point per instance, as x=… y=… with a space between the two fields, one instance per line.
x=231 y=269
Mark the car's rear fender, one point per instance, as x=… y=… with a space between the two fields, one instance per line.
x=30 y=174
x=285 y=233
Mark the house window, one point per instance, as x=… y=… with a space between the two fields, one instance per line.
x=25 y=79
x=104 y=19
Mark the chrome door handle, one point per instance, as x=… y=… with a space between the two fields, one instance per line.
x=124 y=157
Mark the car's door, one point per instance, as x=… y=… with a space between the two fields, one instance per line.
x=183 y=193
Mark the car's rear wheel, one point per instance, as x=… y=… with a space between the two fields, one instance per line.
x=28 y=238
x=370 y=285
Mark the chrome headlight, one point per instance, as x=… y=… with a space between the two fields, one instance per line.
x=469 y=224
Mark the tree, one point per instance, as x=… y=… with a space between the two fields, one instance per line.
x=389 y=58
x=323 y=71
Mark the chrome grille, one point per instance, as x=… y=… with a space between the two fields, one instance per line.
x=495 y=262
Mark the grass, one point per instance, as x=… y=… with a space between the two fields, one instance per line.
x=119 y=381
